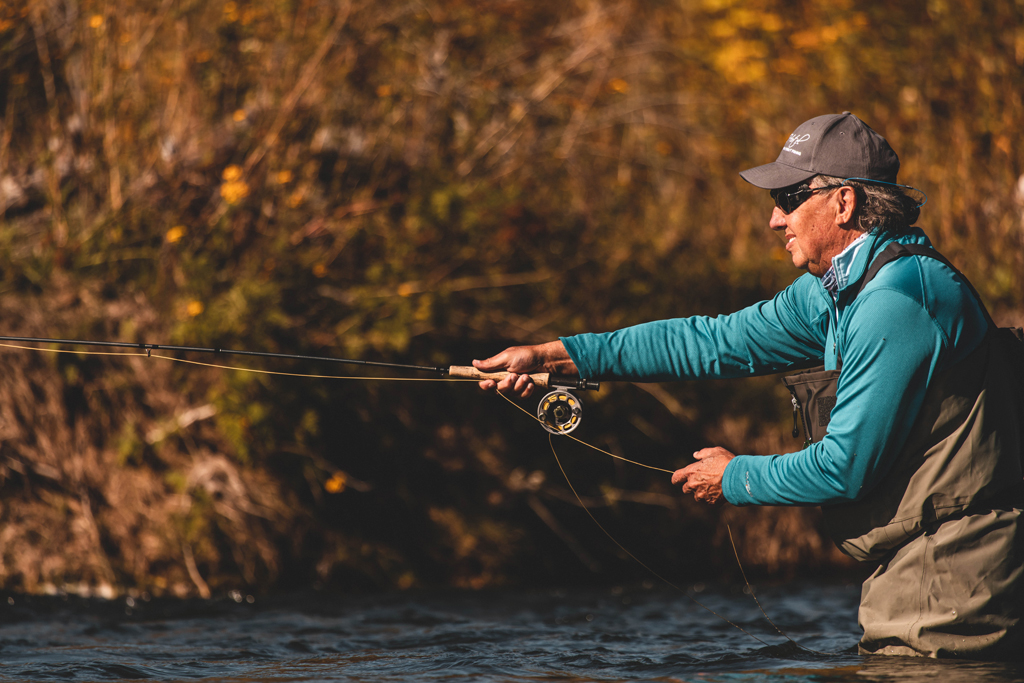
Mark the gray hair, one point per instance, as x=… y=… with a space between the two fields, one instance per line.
x=883 y=209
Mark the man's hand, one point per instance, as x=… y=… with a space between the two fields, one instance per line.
x=704 y=478
x=519 y=361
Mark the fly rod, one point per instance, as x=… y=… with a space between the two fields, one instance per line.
x=559 y=411
x=543 y=380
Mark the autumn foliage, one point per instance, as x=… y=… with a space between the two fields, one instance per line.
x=425 y=183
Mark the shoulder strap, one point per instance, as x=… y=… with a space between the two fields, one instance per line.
x=896 y=250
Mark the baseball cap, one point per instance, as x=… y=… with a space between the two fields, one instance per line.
x=839 y=145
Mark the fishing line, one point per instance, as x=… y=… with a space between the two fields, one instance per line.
x=635 y=558
x=743 y=573
x=235 y=367
x=297 y=374
x=617 y=457
x=149 y=354
x=750 y=589
x=612 y=538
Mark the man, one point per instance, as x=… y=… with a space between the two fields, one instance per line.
x=920 y=469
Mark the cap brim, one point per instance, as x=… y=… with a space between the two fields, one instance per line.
x=775 y=176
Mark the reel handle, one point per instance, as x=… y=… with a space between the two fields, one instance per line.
x=544 y=380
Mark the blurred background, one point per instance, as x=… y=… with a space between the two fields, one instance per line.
x=427 y=182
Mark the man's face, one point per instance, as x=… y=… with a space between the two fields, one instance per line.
x=810 y=231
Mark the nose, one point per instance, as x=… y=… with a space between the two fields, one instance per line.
x=779 y=220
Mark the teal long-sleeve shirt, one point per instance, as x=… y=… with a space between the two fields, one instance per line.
x=913 y=320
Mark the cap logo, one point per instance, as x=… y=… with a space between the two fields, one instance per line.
x=794 y=141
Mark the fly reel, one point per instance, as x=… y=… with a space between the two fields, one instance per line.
x=560 y=412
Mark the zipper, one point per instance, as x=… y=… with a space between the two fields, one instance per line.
x=796 y=422
x=796 y=414
x=835 y=329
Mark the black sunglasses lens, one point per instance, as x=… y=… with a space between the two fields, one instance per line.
x=791 y=201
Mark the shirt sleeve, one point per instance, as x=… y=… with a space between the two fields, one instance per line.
x=892 y=348
x=770 y=336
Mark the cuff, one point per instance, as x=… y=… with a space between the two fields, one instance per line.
x=736 y=481
x=572 y=345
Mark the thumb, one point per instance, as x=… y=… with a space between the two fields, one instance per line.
x=705 y=453
x=498 y=362
x=713 y=452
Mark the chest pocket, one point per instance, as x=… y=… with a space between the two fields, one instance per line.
x=814 y=397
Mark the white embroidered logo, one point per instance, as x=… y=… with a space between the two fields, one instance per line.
x=794 y=141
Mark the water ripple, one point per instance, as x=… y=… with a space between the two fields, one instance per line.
x=623 y=635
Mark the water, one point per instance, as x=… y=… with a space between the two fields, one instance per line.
x=596 y=635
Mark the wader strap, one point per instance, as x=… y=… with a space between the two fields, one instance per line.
x=896 y=250
x=814 y=392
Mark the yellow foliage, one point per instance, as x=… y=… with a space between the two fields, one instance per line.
x=175 y=234
x=714 y=5
x=337 y=482
x=742 y=61
x=234 y=188
x=618 y=85
x=743 y=19
x=823 y=36
x=234 y=191
x=770 y=22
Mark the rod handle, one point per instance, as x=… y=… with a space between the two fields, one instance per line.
x=544 y=380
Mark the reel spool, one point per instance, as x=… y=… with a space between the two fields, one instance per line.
x=560 y=412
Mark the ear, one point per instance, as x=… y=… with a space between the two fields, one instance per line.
x=846 y=206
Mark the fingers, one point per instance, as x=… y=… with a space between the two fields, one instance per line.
x=703 y=478
x=690 y=479
x=518 y=358
x=524 y=386
x=518 y=385
x=693 y=482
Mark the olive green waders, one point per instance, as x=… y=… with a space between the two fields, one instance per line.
x=945 y=523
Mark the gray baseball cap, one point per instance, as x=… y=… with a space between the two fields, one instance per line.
x=839 y=145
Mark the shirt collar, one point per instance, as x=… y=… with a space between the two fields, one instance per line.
x=838 y=275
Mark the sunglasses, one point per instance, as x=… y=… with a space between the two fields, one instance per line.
x=790 y=201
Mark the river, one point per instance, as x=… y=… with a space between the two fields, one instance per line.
x=632 y=634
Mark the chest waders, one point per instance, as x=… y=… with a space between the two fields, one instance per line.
x=814 y=390
x=945 y=524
